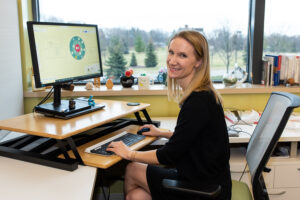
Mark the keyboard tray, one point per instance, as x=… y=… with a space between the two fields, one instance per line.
x=128 y=138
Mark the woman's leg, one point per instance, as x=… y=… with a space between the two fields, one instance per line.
x=136 y=186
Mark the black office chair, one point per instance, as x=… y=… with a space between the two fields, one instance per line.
x=261 y=145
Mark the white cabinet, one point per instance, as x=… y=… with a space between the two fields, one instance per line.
x=287 y=176
x=282 y=182
x=269 y=177
x=286 y=179
x=284 y=193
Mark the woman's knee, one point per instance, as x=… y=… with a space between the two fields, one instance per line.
x=135 y=176
x=138 y=194
x=130 y=196
x=129 y=169
x=133 y=168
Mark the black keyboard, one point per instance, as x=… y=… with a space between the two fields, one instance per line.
x=128 y=139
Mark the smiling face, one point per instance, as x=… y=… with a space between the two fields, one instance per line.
x=182 y=61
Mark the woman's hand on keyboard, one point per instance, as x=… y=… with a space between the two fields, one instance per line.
x=156 y=132
x=120 y=149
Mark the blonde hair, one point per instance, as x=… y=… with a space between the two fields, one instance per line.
x=201 y=80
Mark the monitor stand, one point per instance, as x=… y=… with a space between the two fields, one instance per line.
x=62 y=109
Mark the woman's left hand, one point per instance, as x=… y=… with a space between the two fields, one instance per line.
x=120 y=149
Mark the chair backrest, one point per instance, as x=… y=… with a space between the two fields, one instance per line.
x=266 y=135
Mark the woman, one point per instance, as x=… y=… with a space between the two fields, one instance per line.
x=199 y=146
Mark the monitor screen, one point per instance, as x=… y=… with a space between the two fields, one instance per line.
x=64 y=52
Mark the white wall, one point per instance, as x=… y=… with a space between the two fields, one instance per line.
x=11 y=89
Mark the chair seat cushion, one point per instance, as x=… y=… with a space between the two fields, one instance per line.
x=240 y=191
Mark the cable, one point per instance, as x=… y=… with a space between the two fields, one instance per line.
x=238 y=116
x=243 y=172
x=45 y=99
x=47 y=96
x=238 y=130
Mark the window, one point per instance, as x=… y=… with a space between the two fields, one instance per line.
x=134 y=34
x=282 y=40
x=282 y=33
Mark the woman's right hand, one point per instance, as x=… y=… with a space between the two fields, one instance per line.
x=154 y=131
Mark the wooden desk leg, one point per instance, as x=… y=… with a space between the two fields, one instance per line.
x=74 y=149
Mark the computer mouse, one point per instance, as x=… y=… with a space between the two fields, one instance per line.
x=140 y=132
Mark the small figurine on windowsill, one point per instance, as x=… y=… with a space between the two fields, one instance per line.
x=89 y=86
x=162 y=76
x=97 y=82
x=109 y=84
x=290 y=82
x=237 y=76
x=127 y=80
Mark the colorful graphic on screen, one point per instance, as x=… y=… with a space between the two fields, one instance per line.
x=65 y=52
x=77 y=48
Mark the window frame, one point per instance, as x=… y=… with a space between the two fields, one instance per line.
x=255 y=40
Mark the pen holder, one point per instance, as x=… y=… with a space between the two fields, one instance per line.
x=143 y=82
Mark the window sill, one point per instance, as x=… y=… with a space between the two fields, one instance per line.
x=157 y=90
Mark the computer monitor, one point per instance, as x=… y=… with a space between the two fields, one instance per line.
x=63 y=53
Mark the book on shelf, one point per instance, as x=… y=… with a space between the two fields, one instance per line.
x=283 y=71
x=280 y=69
x=265 y=73
x=275 y=73
x=290 y=67
x=297 y=70
x=268 y=71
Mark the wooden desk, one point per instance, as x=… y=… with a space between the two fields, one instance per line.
x=289 y=135
x=39 y=125
x=64 y=134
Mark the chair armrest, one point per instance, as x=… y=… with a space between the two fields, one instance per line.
x=187 y=188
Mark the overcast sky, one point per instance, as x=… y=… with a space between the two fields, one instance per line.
x=169 y=15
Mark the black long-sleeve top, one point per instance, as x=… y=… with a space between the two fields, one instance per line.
x=199 y=146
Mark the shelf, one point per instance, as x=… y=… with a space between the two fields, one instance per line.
x=158 y=90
